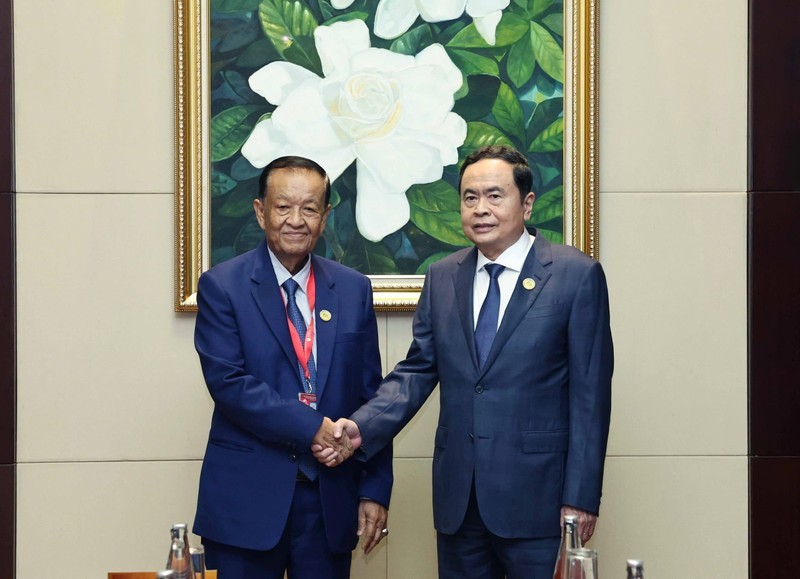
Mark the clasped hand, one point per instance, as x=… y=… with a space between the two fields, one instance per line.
x=335 y=442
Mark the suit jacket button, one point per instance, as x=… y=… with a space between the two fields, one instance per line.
x=293 y=458
x=479 y=388
x=471 y=437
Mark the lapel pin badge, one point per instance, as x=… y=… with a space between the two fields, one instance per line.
x=528 y=283
x=325 y=316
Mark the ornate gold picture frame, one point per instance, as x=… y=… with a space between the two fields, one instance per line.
x=392 y=292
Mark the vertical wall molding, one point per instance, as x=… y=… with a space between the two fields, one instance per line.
x=8 y=356
x=773 y=282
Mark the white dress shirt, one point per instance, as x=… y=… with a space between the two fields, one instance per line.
x=512 y=259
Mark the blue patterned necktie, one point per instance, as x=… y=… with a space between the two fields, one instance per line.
x=486 y=328
x=308 y=465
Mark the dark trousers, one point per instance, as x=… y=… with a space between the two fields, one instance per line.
x=302 y=551
x=475 y=553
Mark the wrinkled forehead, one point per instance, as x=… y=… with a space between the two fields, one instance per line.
x=296 y=182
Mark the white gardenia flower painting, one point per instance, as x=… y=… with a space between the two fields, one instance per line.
x=388 y=96
x=388 y=112
x=394 y=17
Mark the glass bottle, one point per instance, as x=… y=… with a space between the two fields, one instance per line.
x=166 y=574
x=569 y=540
x=635 y=569
x=198 y=554
x=179 y=559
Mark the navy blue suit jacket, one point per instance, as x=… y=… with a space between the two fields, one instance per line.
x=530 y=427
x=259 y=428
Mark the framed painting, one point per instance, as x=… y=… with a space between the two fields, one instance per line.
x=389 y=96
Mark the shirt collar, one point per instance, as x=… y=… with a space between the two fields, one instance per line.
x=282 y=274
x=513 y=257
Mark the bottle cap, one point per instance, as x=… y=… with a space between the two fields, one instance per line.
x=635 y=563
x=165 y=574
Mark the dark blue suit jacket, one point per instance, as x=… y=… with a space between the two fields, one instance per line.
x=259 y=428
x=530 y=427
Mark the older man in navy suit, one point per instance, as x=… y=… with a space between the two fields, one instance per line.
x=286 y=339
x=516 y=330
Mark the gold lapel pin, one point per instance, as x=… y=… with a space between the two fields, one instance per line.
x=325 y=316
x=528 y=283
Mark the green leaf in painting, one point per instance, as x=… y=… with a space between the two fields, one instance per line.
x=481 y=134
x=423 y=267
x=550 y=235
x=471 y=63
x=436 y=210
x=285 y=21
x=544 y=114
x=510 y=29
x=549 y=140
x=549 y=53
x=538 y=7
x=368 y=258
x=226 y=6
x=240 y=202
x=230 y=129
x=521 y=61
x=221 y=183
x=257 y=54
x=555 y=22
x=549 y=206
x=414 y=41
x=508 y=112
x=480 y=98
x=249 y=236
x=304 y=53
x=347 y=17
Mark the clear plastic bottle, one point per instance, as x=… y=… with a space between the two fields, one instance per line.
x=635 y=569
x=569 y=540
x=179 y=560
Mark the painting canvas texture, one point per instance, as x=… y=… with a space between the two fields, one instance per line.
x=389 y=96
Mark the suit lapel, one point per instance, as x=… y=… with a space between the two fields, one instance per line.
x=463 y=280
x=268 y=298
x=536 y=267
x=325 y=331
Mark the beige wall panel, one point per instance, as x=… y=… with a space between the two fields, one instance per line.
x=372 y=566
x=412 y=539
x=400 y=334
x=93 y=96
x=383 y=337
x=673 y=95
x=106 y=368
x=81 y=520
x=685 y=516
x=677 y=274
x=416 y=439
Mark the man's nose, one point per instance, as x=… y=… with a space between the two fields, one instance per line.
x=482 y=206
x=296 y=216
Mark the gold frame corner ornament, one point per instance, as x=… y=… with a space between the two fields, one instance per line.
x=391 y=293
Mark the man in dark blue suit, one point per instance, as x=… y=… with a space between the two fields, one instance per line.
x=287 y=339
x=516 y=331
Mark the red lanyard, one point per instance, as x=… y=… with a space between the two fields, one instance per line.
x=303 y=351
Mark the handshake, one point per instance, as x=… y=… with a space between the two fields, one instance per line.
x=335 y=442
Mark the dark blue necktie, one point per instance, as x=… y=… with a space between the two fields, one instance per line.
x=308 y=465
x=486 y=328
